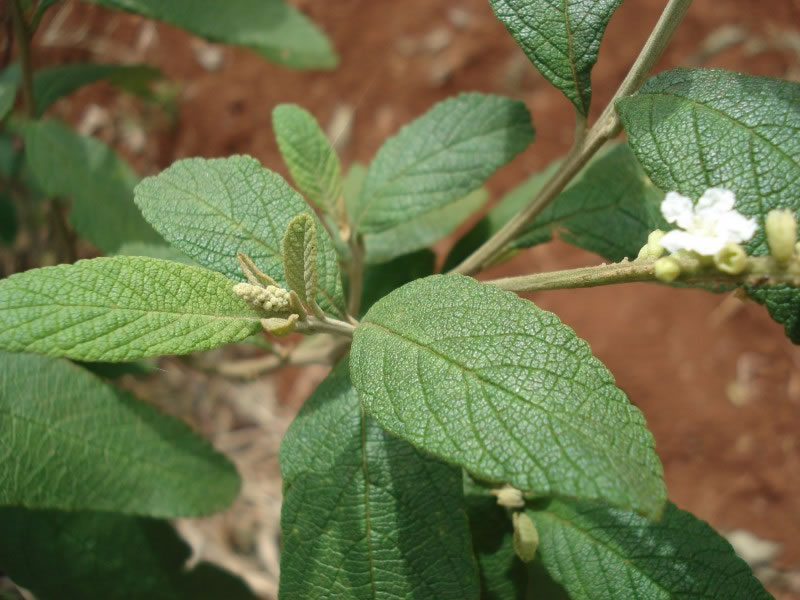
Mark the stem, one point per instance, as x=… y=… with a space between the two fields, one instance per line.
x=761 y=270
x=605 y=128
x=300 y=355
x=356 y=274
x=316 y=325
x=24 y=47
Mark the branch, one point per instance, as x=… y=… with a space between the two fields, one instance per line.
x=22 y=34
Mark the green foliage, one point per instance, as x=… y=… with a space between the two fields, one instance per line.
x=98 y=181
x=440 y=158
x=8 y=219
x=484 y=379
x=70 y=555
x=121 y=309
x=379 y=280
x=272 y=28
x=560 y=38
x=300 y=257
x=73 y=442
x=365 y=515
x=311 y=159
x=9 y=83
x=161 y=251
x=601 y=553
x=783 y=303
x=52 y=83
x=212 y=209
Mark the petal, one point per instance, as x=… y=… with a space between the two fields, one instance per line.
x=677 y=209
x=735 y=227
x=714 y=203
x=702 y=244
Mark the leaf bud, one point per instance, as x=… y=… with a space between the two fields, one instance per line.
x=509 y=497
x=732 y=259
x=526 y=537
x=781 y=229
x=278 y=327
x=667 y=269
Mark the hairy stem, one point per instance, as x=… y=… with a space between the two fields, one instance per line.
x=22 y=35
x=605 y=128
x=356 y=274
x=314 y=324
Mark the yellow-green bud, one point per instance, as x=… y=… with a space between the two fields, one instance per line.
x=526 y=537
x=667 y=269
x=691 y=262
x=732 y=259
x=781 y=229
x=278 y=327
x=653 y=249
x=509 y=497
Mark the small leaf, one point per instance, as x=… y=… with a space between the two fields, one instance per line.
x=120 y=309
x=213 y=209
x=560 y=38
x=73 y=442
x=600 y=553
x=272 y=28
x=9 y=84
x=440 y=158
x=300 y=257
x=311 y=159
x=99 y=182
x=379 y=280
x=365 y=515
x=783 y=303
x=485 y=379
x=60 y=555
x=424 y=230
x=52 y=83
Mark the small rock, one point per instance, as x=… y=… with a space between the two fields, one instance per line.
x=209 y=56
x=753 y=550
x=459 y=17
x=437 y=40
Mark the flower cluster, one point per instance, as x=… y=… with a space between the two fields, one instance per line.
x=269 y=298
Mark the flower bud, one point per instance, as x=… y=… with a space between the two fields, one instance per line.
x=781 y=229
x=667 y=269
x=653 y=249
x=732 y=259
x=526 y=537
x=509 y=497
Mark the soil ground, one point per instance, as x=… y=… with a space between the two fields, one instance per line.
x=716 y=379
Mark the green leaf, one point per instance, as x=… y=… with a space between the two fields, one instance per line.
x=212 y=209
x=783 y=303
x=8 y=219
x=52 y=83
x=9 y=83
x=600 y=553
x=693 y=129
x=485 y=379
x=365 y=515
x=272 y=28
x=120 y=309
x=379 y=280
x=560 y=38
x=422 y=231
x=300 y=257
x=72 y=442
x=311 y=159
x=440 y=157
x=106 y=370
x=161 y=251
x=59 y=555
x=99 y=182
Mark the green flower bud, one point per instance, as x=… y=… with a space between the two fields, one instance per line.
x=667 y=269
x=653 y=249
x=781 y=229
x=526 y=537
x=732 y=259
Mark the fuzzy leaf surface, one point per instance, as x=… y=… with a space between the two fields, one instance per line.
x=366 y=515
x=486 y=380
x=70 y=555
x=272 y=28
x=440 y=157
x=52 y=83
x=300 y=257
x=73 y=442
x=601 y=553
x=698 y=128
x=99 y=182
x=212 y=209
x=120 y=309
x=308 y=154
x=561 y=38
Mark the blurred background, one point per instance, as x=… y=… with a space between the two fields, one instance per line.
x=715 y=377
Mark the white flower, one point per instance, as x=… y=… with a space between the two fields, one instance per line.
x=708 y=225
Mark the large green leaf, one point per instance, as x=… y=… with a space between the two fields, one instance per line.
x=212 y=209
x=120 y=309
x=9 y=83
x=440 y=158
x=99 y=182
x=695 y=129
x=71 y=441
x=274 y=29
x=82 y=555
x=365 y=515
x=600 y=553
x=485 y=379
x=311 y=159
x=52 y=83
x=561 y=38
